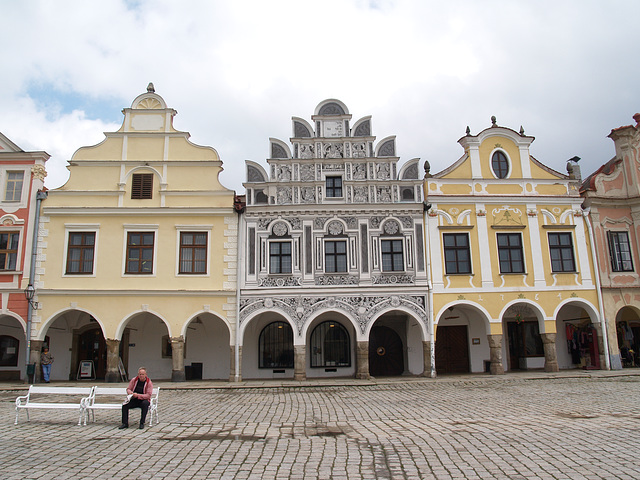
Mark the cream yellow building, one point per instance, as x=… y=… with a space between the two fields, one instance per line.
x=512 y=276
x=137 y=256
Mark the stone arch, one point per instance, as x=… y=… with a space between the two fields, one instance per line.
x=60 y=313
x=209 y=346
x=331 y=106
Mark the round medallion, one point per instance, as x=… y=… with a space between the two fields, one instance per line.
x=268 y=303
x=279 y=229
x=391 y=228
x=335 y=228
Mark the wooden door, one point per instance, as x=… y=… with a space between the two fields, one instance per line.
x=93 y=347
x=452 y=349
x=386 y=353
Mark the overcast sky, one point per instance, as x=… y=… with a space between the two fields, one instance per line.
x=236 y=71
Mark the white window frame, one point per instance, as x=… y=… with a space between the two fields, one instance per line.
x=193 y=229
x=131 y=228
x=77 y=228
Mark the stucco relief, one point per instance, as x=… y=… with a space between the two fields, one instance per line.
x=364 y=309
x=284 y=173
x=359 y=150
x=333 y=150
x=383 y=194
x=284 y=195
x=359 y=171
x=307 y=173
x=308 y=195
x=383 y=172
x=360 y=195
x=307 y=151
x=39 y=172
x=507 y=216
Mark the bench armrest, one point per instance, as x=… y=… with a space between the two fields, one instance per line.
x=19 y=401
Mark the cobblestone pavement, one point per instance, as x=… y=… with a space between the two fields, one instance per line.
x=468 y=428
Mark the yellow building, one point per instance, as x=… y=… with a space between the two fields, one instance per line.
x=511 y=267
x=137 y=256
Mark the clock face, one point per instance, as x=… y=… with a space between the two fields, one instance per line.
x=332 y=129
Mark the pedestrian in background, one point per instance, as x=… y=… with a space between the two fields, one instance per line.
x=46 y=359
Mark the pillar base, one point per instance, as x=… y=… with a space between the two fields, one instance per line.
x=111 y=377
x=178 y=376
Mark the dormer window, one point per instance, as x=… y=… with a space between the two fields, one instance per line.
x=500 y=165
x=334 y=187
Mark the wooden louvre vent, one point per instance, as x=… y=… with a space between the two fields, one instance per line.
x=142 y=185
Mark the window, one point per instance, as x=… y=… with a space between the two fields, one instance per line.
x=620 y=252
x=457 y=256
x=140 y=252
x=193 y=252
x=13 y=191
x=142 y=186
x=407 y=195
x=275 y=346
x=335 y=256
x=9 y=347
x=510 y=253
x=500 y=164
x=280 y=257
x=80 y=252
x=334 y=187
x=392 y=260
x=561 y=249
x=330 y=346
x=9 y=250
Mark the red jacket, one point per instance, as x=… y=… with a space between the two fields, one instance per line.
x=148 y=388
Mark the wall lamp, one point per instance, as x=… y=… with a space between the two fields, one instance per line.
x=29 y=292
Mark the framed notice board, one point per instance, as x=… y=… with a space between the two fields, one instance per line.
x=86 y=370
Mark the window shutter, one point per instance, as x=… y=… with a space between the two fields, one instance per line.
x=142 y=186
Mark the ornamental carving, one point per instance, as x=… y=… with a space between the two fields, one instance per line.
x=335 y=228
x=384 y=194
x=374 y=222
x=391 y=227
x=280 y=229
x=301 y=309
x=359 y=150
x=331 y=109
x=307 y=151
x=39 y=172
x=360 y=194
x=359 y=171
x=280 y=281
x=383 y=171
x=284 y=173
x=352 y=222
x=322 y=280
x=333 y=150
x=307 y=173
x=507 y=216
x=318 y=222
x=307 y=195
x=149 y=103
x=411 y=173
x=263 y=223
x=393 y=279
x=284 y=195
x=255 y=175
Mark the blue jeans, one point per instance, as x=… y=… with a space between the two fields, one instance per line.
x=46 y=371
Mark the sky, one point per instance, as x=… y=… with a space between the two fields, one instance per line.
x=236 y=72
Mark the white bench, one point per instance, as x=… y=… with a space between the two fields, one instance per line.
x=111 y=398
x=70 y=398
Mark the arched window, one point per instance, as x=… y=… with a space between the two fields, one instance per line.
x=500 y=164
x=276 y=346
x=330 y=346
x=9 y=347
x=407 y=194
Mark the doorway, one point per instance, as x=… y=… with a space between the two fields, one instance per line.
x=386 y=352
x=452 y=349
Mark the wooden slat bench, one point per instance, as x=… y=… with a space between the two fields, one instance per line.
x=70 y=398
x=111 y=398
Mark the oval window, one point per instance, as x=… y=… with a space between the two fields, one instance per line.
x=500 y=165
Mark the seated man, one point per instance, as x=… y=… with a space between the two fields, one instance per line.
x=140 y=389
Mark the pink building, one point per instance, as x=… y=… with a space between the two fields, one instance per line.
x=21 y=177
x=612 y=194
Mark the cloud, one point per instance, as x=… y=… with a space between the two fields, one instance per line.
x=238 y=71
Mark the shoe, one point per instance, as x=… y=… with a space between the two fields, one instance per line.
x=141 y=427
x=123 y=426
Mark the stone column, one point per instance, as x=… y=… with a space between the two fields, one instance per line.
x=34 y=358
x=426 y=352
x=113 y=361
x=177 y=354
x=362 y=361
x=232 y=363
x=550 y=356
x=495 y=354
x=299 y=362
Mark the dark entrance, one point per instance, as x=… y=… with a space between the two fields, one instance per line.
x=524 y=341
x=93 y=347
x=452 y=349
x=386 y=354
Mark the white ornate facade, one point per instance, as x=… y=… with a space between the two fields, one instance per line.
x=333 y=267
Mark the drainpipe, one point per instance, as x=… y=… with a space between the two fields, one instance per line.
x=239 y=282
x=603 y=322
x=32 y=273
x=432 y=346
